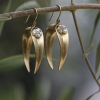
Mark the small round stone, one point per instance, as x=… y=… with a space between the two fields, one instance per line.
x=34 y=31
x=37 y=35
x=37 y=30
x=58 y=28
x=60 y=31
x=59 y=25
x=64 y=31
x=40 y=33
x=63 y=26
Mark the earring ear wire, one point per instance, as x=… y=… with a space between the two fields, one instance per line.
x=35 y=17
x=58 y=20
x=51 y=16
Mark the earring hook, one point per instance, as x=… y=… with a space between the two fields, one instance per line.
x=36 y=13
x=35 y=17
x=58 y=20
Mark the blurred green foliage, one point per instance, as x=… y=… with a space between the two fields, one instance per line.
x=28 y=5
x=14 y=62
x=66 y=93
x=97 y=58
x=5 y=18
x=95 y=25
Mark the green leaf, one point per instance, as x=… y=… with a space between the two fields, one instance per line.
x=97 y=58
x=5 y=18
x=66 y=93
x=99 y=78
x=87 y=51
x=41 y=89
x=28 y=5
x=44 y=3
x=92 y=95
x=14 y=62
x=13 y=91
x=95 y=25
x=98 y=1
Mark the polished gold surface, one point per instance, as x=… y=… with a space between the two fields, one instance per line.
x=39 y=48
x=26 y=46
x=63 y=38
x=63 y=41
x=64 y=44
x=49 y=39
x=35 y=34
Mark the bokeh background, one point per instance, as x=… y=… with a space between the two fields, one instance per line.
x=74 y=81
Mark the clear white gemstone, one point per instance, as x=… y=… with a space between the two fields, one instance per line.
x=60 y=31
x=64 y=31
x=37 y=30
x=37 y=35
x=59 y=25
x=63 y=26
x=58 y=28
x=34 y=31
x=40 y=33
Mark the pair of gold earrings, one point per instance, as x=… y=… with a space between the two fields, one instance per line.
x=35 y=34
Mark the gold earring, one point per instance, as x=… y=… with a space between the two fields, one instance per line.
x=62 y=34
x=34 y=34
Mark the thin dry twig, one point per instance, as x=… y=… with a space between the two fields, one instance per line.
x=98 y=1
x=86 y=59
x=72 y=2
x=50 y=9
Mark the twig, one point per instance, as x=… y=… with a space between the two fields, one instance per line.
x=98 y=1
x=86 y=59
x=50 y=9
x=72 y=2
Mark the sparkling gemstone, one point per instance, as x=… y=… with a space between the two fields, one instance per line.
x=37 y=30
x=34 y=31
x=59 y=25
x=63 y=26
x=64 y=31
x=40 y=33
x=58 y=28
x=60 y=31
x=37 y=35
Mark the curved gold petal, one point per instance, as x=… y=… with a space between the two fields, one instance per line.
x=39 y=47
x=49 y=39
x=64 y=44
x=26 y=46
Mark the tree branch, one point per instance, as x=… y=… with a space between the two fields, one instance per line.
x=50 y=9
x=86 y=59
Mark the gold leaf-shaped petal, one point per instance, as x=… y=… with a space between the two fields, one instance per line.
x=26 y=46
x=49 y=39
x=39 y=47
x=64 y=44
